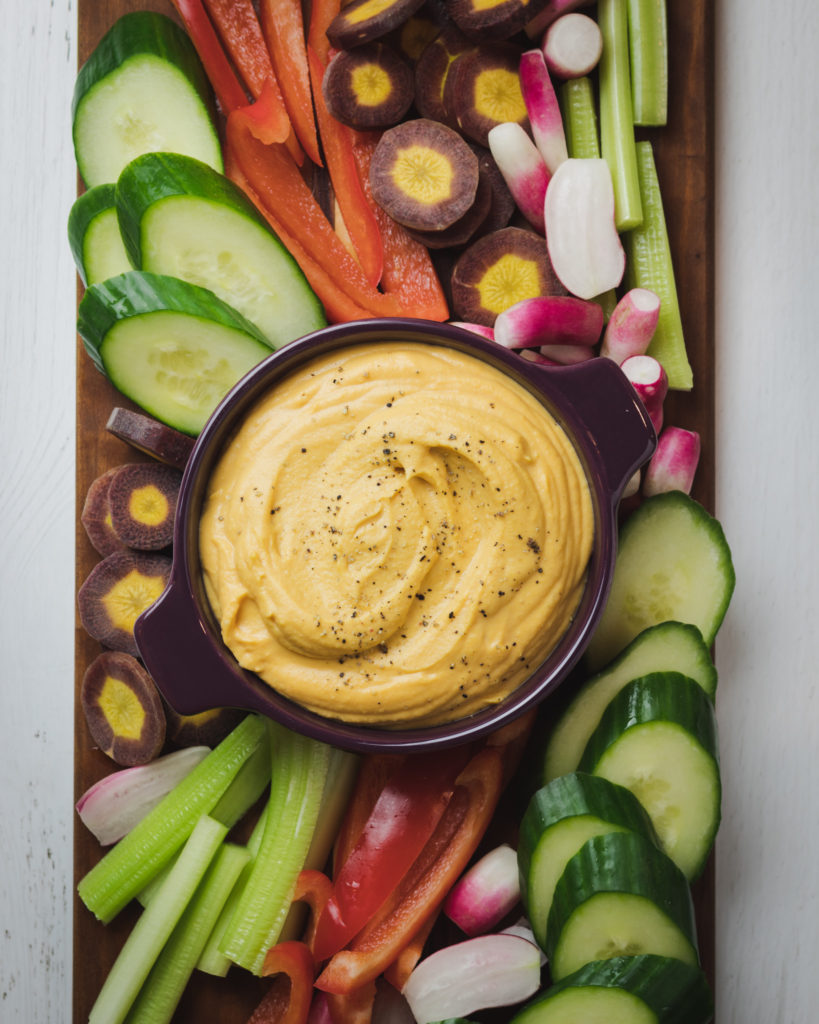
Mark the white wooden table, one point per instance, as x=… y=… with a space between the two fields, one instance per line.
x=767 y=383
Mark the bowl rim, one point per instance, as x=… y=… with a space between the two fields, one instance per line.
x=184 y=597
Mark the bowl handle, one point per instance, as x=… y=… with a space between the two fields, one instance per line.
x=617 y=424
x=176 y=649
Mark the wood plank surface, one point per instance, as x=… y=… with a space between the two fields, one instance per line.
x=684 y=156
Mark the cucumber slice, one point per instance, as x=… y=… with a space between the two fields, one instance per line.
x=181 y=218
x=93 y=234
x=673 y=563
x=173 y=348
x=142 y=89
x=619 y=896
x=668 y=646
x=658 y=738
x=559 y=819
x=644 y=989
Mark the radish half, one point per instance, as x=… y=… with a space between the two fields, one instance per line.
x=584 y=245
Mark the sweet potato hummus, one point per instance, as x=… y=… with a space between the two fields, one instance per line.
x=396 y=535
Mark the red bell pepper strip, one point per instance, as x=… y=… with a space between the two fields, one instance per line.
x=424 y=887
x=283 y=28
x=225 y=84
x=238 y=26
x=352 y=1007
x=404 y=817
x=275 y=180
x=338 y=305
x=337 y=143
x=322 y=13
x=398 y=972
x=372 y=776
x=314 y=888
x=288 y=999
x=408 y=273
x=266 y=119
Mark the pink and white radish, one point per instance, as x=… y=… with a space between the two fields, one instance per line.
x=674 y=463
x=487 y=971
x=553 y=10
x=488 y=891
x=543 y=109
x=523 y=168
x=584 y=245
x=119 y=801
x=572 y=46
x=549 y=320
x=631 y=325
x=650 y=381
x=485 y=332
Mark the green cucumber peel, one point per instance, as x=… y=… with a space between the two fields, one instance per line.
x=656 y=697
x=674 y=563
x=156 y=923
x=666 y=646
x=140 y=855
x=138 y=293
x=559 y=818
x=89 y=211
x=147 y=43
x=623 y=864
x=152 y=177
x=674 y=992
x=658 y=737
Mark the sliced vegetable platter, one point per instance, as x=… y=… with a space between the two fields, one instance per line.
x=684 y=157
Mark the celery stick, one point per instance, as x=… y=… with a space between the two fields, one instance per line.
x=299 y=771
x=212 y=960
x=246 y=788
x=161 y=993
x=580 y=118
x=154 y=927
x=648 y=54
x=617 y=144
x=128 y=867
x=152 y=888
x=649 y=265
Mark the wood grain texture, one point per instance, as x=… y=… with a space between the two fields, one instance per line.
x=684 y=155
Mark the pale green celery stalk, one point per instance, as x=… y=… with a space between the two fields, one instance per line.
x=580 y=118
x=617 y=144
x=299 y=771
x=649 y=265
x=252 y=780
x=160 y=995
x=155 y=924
x=648 y=52
x=240 y=796
x=213 y=960
x=152 y=888
x=341 y=775
x=139 y=856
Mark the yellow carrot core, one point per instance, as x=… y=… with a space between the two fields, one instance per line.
x=371 y=85
x=423 y=173
x=507 y=281
x=122 y=708
x=130 y=596
x=148 y=505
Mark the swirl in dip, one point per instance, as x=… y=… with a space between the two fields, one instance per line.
x=397 y=534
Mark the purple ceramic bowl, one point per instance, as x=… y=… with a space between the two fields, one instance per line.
x=179 y=640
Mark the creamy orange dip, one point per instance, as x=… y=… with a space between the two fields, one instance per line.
x=397 y=534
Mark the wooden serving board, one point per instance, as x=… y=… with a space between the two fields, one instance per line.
x=684 y=155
